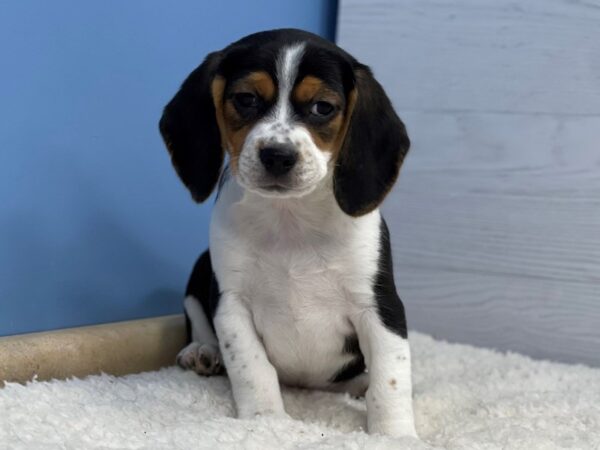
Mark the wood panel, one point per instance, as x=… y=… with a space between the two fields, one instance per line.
x=496 y=218
x=539 y=56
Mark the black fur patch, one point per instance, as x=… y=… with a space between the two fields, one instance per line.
x=389 y=305
x=354 y=367
x=350 y=370
x=375 y=146
x=204 y=286
x=188 y=328
x=190 y=131
x=351 y=345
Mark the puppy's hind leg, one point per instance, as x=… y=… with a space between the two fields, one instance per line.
x=202 y=354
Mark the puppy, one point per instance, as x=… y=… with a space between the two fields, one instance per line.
x=298 y=286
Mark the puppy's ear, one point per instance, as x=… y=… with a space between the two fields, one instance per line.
x=190 y=130
x=373 y=150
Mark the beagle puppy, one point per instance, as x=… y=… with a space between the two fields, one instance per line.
x=297 y=287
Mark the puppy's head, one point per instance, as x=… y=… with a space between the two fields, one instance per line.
x=291 y=109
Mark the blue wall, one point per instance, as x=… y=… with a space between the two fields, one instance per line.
x=94 y=224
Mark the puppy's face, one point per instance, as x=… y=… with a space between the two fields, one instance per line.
x=283 y=112
x=291 y=109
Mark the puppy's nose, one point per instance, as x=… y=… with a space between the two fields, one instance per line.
x=278 y=159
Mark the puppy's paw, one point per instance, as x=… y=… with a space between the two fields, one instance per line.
x=204 y=359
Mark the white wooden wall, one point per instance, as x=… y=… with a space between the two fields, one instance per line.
x=496 y=217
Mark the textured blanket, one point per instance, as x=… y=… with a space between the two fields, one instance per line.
x=465 y=398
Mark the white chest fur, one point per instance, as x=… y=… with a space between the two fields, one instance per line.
x=303 y=268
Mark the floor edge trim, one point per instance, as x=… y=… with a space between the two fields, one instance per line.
x=117 y=348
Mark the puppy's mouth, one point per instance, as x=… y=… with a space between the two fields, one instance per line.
x=274 y=187
x=279 y=190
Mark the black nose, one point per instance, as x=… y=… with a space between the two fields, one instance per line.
x=278 y=160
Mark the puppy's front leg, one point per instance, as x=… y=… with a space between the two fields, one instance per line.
x=389 y=396
x=253 y=378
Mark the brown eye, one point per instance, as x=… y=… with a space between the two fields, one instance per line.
x=321 y=109
x=245 y=100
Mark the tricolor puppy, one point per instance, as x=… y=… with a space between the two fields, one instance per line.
x=298 y=285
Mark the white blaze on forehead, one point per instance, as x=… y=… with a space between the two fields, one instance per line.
x=287 y=70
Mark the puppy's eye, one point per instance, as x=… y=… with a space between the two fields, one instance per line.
x=321 y=109
x=246 y=100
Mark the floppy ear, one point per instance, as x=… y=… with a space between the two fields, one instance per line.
x=191 y=133
x=374 y=147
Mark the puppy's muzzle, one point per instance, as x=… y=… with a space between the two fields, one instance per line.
x=278 y=160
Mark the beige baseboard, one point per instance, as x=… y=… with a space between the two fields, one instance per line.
x=115 y=348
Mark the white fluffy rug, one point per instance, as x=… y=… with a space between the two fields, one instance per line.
x=465 y=398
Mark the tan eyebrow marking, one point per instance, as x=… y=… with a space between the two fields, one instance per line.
x=259 y=82
x=312 y=87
